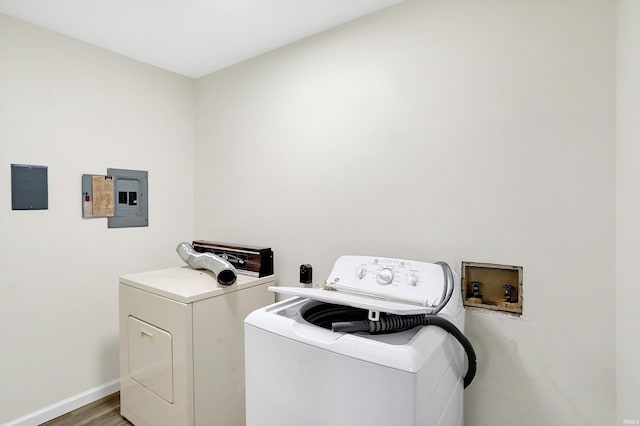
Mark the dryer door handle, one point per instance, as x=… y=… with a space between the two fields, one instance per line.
x=146 y=333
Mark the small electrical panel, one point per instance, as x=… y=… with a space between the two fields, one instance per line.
x=29 y=187
x=492 y=286
x=120 y=196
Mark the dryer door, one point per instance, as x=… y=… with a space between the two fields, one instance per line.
x=150 y=358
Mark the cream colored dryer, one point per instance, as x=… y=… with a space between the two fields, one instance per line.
x=182 y=346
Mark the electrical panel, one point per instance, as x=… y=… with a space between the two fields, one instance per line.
x=121 y=196
x=131 y=200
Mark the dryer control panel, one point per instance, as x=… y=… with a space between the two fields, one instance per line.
x=400 y=280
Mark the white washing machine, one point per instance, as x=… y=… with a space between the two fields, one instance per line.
x=299 y=371
x=181 y=346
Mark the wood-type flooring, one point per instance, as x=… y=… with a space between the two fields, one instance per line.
x=103 y=412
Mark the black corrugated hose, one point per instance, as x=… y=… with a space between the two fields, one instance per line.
x=406 y=322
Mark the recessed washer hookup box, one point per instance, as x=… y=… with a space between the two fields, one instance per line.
x=248 y=260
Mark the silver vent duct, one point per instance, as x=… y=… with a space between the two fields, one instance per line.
x=224 y=271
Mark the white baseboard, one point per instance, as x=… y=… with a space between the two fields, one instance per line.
x=63 y=407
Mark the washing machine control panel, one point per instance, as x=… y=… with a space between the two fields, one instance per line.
x=388 y=278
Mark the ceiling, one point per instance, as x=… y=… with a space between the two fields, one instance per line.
x=190 y=37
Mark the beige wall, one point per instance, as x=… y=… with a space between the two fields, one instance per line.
x=434 y=130
x=464 y=130
x=628 y=212
x=78 y=109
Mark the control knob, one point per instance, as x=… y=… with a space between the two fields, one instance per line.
x=361 y=272
x=384 y=276
x=412 y=279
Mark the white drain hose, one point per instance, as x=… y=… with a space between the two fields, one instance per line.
x=224 y=271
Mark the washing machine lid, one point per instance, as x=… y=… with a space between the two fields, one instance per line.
x=354 y=300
